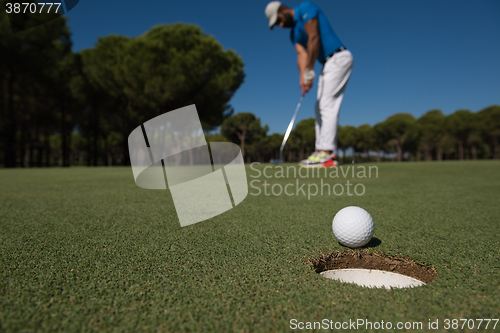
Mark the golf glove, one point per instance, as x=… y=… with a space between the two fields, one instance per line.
x=309 y=75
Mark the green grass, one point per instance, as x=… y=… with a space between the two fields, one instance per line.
x=85 y=249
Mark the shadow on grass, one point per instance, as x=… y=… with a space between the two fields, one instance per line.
x=374 y=242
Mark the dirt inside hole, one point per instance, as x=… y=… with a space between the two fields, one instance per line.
x=367 y=260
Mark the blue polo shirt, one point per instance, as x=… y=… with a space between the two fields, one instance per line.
x=329 y=41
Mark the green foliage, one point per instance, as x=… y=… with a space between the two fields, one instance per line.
x=448 y=144
x=243 y=128
x=402 y=131
x=366 y=138
x=216 y=137
x=36 y=69
x=489 y=125
x=305 y=131
x=380 y=139
x=491 y=121
x=460 y=124
x=302 y=137
x=103 y=65
x=265 y=148
x=348 y=137
x=182 y=65
x=166 y=68
x=431 y=127
x=78 y=141
x=400 y=126
x=131 y=80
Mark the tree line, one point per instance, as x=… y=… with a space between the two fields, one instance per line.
x=58 y=107
x=61 y=108
x=434 y=136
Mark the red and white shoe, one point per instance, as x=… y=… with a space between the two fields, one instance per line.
x=319 y=160
x=331 y=162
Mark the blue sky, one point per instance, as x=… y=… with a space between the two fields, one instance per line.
x=409 y=56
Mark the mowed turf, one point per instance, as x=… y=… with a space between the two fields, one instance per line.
x=85 y=249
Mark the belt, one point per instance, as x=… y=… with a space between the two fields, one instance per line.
x=342 y=48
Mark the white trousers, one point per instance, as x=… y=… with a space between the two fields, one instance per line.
x=331 y=86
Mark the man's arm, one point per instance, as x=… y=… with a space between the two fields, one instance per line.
x=306 y=58
x=313 y=42
x=302 y=58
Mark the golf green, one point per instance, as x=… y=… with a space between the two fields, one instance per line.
x=85 y=249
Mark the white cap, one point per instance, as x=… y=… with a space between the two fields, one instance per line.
x=272 y=12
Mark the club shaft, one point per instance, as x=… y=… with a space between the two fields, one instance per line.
x=290 y=126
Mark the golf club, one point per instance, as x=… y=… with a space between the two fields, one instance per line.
x=288 y=130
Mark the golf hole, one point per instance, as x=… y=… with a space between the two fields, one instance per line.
x=373 y=270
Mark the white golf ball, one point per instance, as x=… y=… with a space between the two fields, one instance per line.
x=353 y=226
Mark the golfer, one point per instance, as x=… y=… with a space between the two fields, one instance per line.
x=314 y=39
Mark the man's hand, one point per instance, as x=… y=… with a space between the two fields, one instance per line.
x=305 y=86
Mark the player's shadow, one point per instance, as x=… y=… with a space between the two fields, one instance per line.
x=374 y=242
